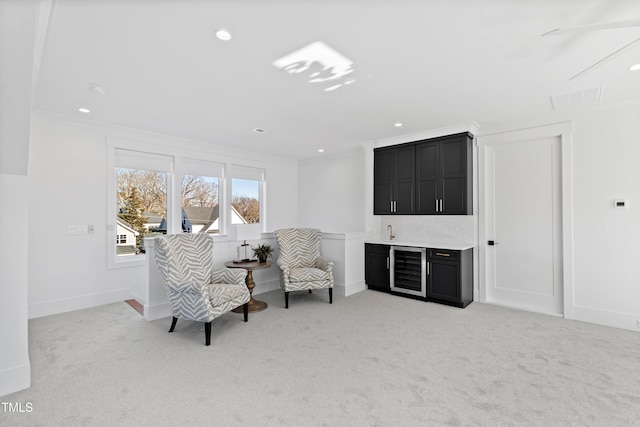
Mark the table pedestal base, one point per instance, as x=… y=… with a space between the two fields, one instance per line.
x=253 y=306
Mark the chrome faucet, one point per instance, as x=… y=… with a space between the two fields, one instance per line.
x=390 y=228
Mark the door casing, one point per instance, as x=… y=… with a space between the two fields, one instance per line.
x=564 y=132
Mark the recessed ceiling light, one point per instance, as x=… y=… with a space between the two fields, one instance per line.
x=223 y=34
x=398 y=125
x=635 y=67
x=321 y=150
x=84 y=110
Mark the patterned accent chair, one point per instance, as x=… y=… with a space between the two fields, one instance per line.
x=196 y=290
x=302 y=267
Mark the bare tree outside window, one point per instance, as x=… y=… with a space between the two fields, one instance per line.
x=141 y=206
x=199 y=191
x=246 y=199
x=200 y=211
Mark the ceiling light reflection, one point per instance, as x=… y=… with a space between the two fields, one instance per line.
x=320 y=63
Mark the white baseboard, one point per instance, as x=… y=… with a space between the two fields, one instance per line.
x=15 y=379
x=338 y=288
x=607 y=318
x=354 y=288
x=270 y=285
x=158 y=311
x=77 y=303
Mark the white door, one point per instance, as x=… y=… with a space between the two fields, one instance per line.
x=523 y=209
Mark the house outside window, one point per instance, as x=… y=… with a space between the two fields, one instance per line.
x=141 y=199
x=200 y=201
x=141 y=204
x=151 y=193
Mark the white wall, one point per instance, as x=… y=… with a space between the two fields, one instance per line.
x=68 y=186
x=332 y=197
x=606 y=152
x=14 y=357
x=332 y=192
x=606 y=159
x=18 y=20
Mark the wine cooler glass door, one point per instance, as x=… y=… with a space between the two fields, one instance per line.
x=408 y=270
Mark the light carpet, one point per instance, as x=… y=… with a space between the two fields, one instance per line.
x=371 y=359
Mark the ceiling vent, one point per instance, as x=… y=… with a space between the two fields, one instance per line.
x=576 y=99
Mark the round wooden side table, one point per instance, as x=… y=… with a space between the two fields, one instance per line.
x=250 y=266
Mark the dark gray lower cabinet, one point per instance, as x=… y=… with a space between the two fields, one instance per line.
x=449 y=274
x=376 y=267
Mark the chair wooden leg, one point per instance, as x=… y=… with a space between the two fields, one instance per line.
x=207 y=333
x=330 y=295
x=286 y=300
x=310 y=291
x=173 y=324
x=245 y=311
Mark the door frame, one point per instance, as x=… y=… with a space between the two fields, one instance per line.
x=564 y=132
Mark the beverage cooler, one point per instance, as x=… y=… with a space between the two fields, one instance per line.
x=408 y=270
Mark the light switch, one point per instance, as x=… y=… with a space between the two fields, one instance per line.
x=76 y=230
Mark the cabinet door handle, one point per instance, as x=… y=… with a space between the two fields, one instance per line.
x=436 y=205
x=441 y=254
x=428 y=269
x=387 y=263
x=441 y=206
x=390 y=205
x=395 y=206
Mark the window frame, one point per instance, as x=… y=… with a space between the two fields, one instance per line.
x=132 y=156
x=205 y=168
x=249 y=173
x=178 y=166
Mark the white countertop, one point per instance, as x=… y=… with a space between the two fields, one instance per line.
x=443 y=244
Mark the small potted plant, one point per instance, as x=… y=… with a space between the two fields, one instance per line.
x=262 y=252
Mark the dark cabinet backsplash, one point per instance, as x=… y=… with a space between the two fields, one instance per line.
x=427 y=177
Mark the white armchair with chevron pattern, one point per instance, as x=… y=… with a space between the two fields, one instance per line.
x=197 y=291
x=302 y=267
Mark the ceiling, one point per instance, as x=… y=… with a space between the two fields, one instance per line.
x=428 y=64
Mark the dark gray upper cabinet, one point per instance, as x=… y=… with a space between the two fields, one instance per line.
x=428 y=177
x=443 y=176
x=394 y=180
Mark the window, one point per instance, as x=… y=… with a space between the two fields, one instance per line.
x=153 y=194
x=200 y=210
x=245 y=201
x=199 y=197
x=140 y=205
x=245 y=195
